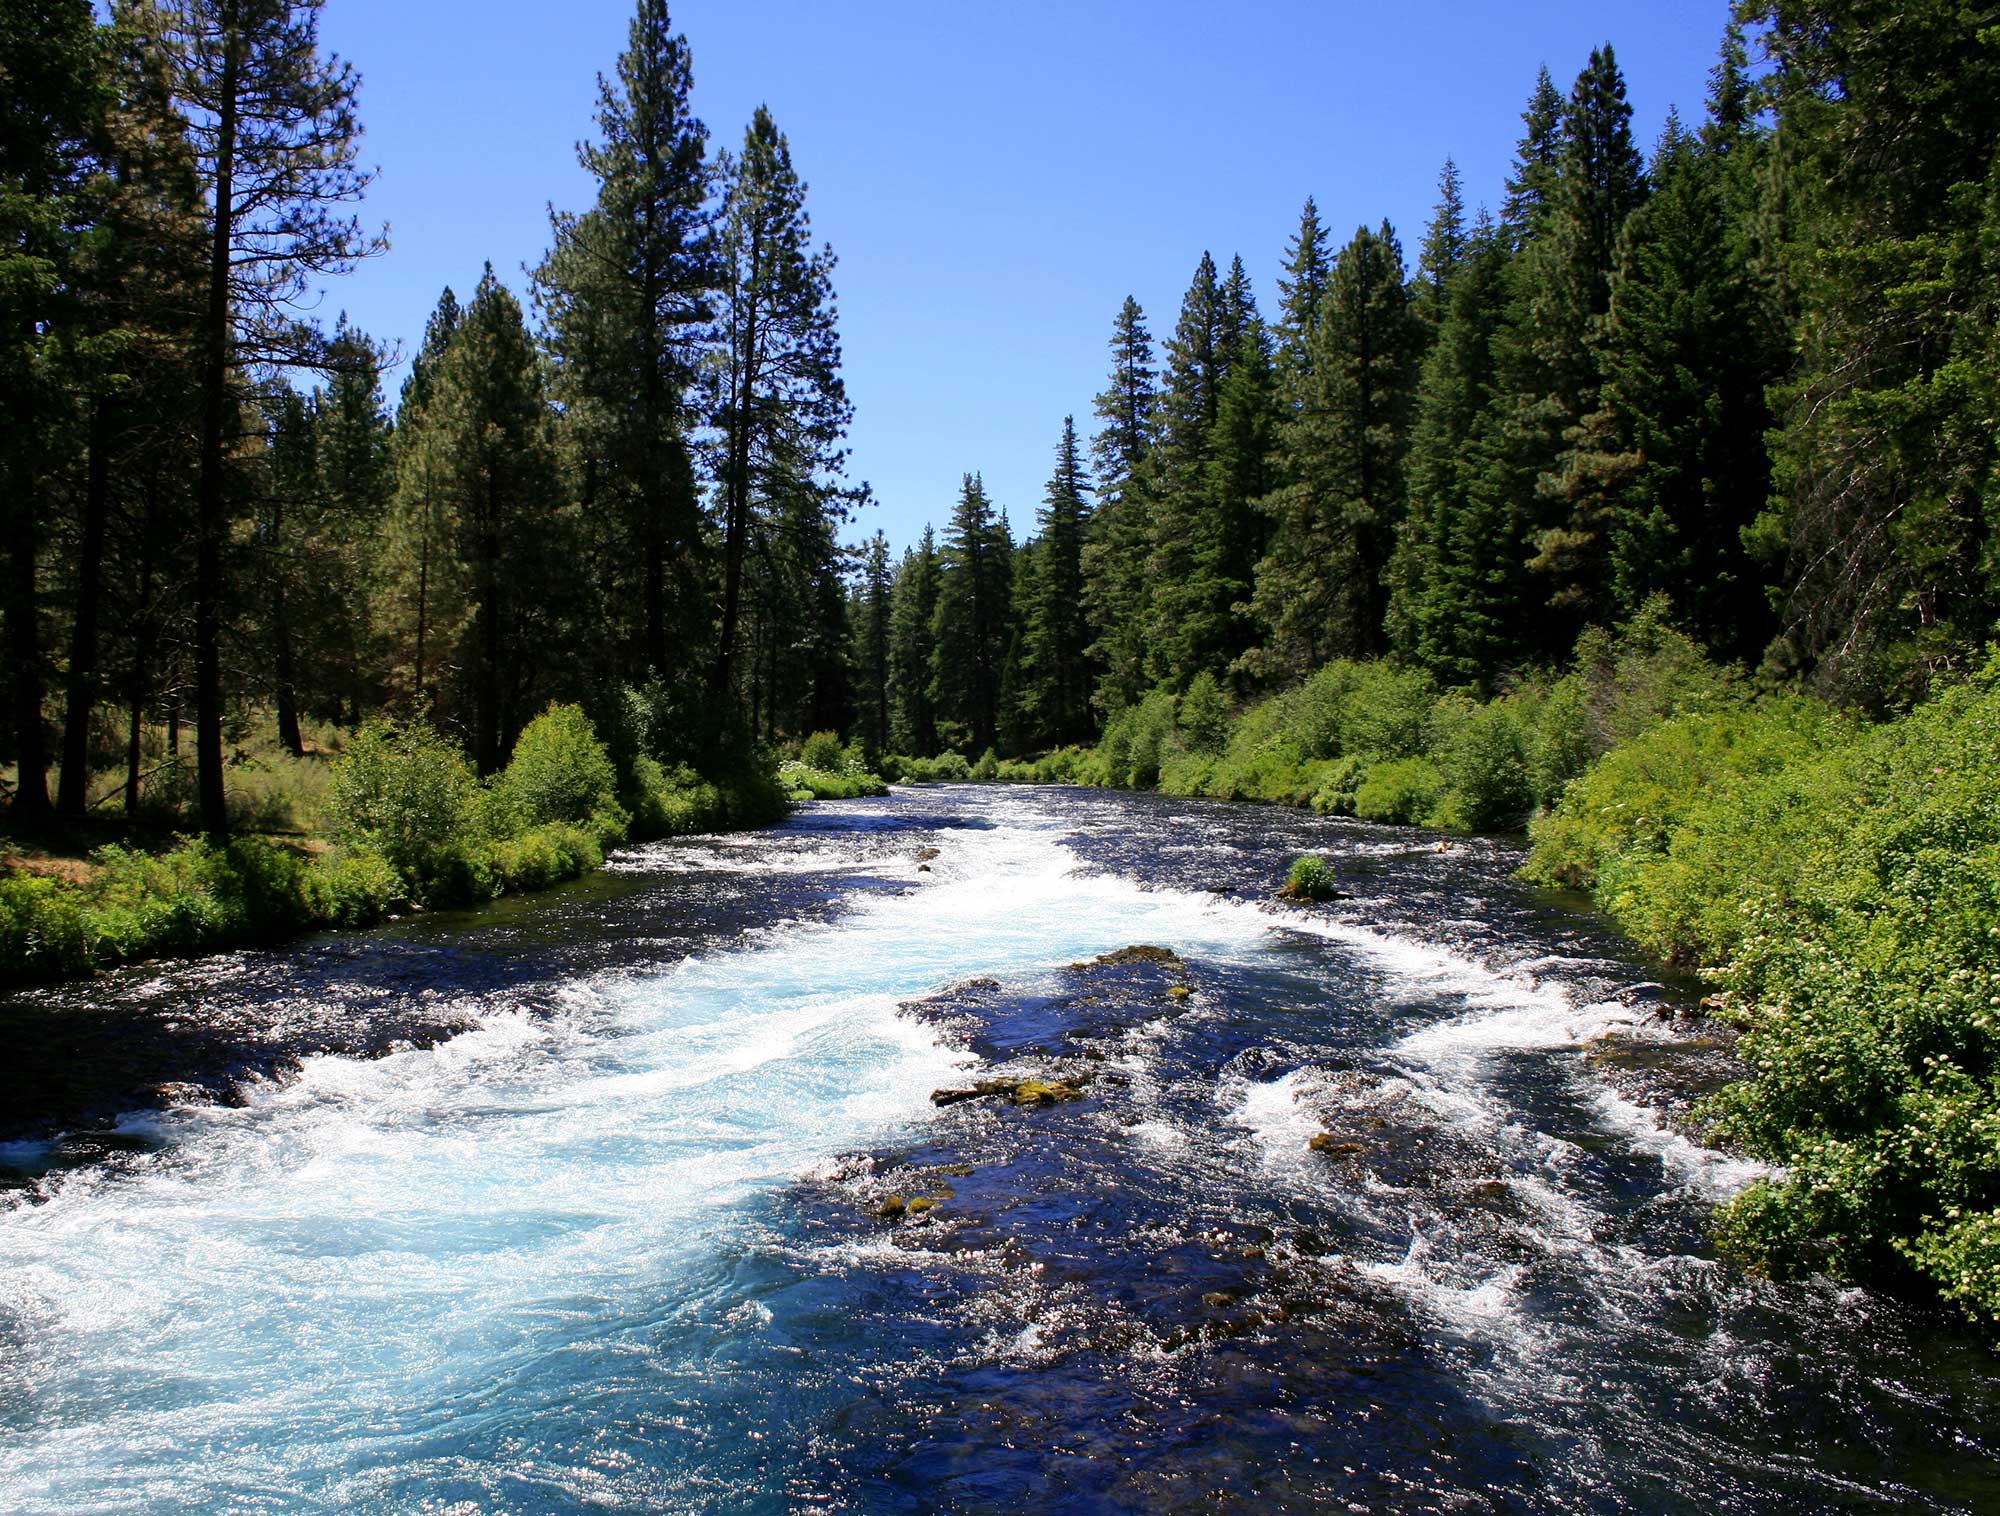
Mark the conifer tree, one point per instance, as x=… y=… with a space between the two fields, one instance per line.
x=275 y=138
x=1301 y=287
x=1119 y=541
x=1058 y=676
x=779 y=407
x=1321 y=592
x=496 y=477
x=873 y=640
x=50 y=114
x=419 y=580
x=1457 y=579
x=1443 y=250
x=913 y=608
x=625 y=297
x=973 y=619
x=1537 y=162
x=1663 y=478
x=1602 y=181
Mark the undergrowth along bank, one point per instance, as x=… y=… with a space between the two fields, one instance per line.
x=404 y=823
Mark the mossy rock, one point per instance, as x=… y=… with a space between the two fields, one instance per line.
x=1178 y=992
x=1326 y=1142
x=891 y=1207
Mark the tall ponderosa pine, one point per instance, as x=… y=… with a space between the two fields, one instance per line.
x=275 y=135
x=419 y=581
x=779 y=407
x=625 y=296
x=1322 y=589
x=1058 y=675
x=1301 y=287
x=1537 y=162
x=1120 y=537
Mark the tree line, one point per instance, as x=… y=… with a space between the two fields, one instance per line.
x=1751 y=374
x=212 y=517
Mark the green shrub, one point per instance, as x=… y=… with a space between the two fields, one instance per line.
x=987 y=769
x=349 y=888
x=1310 y=878
x=406 y=793
x=1204 y=716
x=560 y=771
x=1484 y=762
x=1872 y=990
x=823 y=751
x=1405 y=791
x=1136 y=739
x=42 y=929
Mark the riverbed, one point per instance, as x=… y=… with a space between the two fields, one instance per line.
x=635 y=1197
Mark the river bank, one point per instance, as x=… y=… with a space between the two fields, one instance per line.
x=623 y=1244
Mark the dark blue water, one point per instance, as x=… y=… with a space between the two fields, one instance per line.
x=1372 y=1206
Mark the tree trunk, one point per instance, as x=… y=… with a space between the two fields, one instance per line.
x=737 y=524
x=72 y=798
x=142 y=650
x=24 y=650
x=211 y=522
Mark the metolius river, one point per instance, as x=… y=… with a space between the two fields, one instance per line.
x=634 y=1197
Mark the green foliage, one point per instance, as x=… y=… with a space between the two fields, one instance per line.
x=801 y=781
x=405 y=792
x=1310 y=878
x=1136 y=739
x=823 y=750
x=1871 y=984
x=1204 y=715
x=560 y=772
x=1483 y=759
x=946 y=768
x=1405 y=791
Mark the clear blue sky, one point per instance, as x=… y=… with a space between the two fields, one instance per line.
x=995 y=178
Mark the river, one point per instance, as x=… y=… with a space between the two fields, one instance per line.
x=598 y=1229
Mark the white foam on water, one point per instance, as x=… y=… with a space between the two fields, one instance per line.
x=296 y=1291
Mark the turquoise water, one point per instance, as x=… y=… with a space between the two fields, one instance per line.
x=609 y=1249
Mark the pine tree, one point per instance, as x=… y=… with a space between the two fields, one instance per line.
x=1569 y=268
x=972 y=625
x=275 y=135
x=913 y=604
x=778 y=402
x=872 y=644
x=1669 y=470
x=1120 y=536
x=1190 y=592
x=49 y=127
x=1884 y=453
x=1457 y=579
x=1537 y=163
x=1056 y=630
x=625 y=297
x=1322 y=590
x=1301 y=287
x=1445 y=243
x=419 y=607
x=496 y=478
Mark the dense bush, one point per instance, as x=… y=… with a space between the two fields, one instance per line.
x=823 y=751
x=1871 y=986
x=405 y=792
x=559 y=772
x=1204 y=716
x=1310 y=878
x=946 y=768
x=1136 y=739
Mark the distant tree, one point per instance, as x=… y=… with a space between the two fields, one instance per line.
x=1301 y=287
x=872 y=643
x=973 y=618
x=1056 y=630
x=1445 y=244
x=1321 y=591
x=913 y=604
x=1119 y=540
x=1537 y=162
